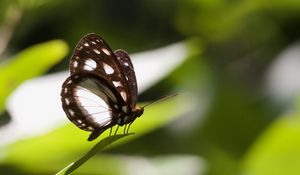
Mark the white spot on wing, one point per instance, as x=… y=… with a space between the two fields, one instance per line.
x=79 y=121
x=88 y=68
x=106 y=51
x=67 y=101
x=66 y=90
x=96 y=51
x=124 y=96
x=75 y=64
x=86 y=44
x=117 y=83
x=126 y=64
x=92 y=101
x=71 y=112
x=92 y=63
x=93 y=42
x=108 y=69
x=124 y=109
x=116 y=106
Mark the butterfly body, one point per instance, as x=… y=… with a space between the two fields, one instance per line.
x=101 y=91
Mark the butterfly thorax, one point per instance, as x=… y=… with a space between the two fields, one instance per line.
x=126 y=118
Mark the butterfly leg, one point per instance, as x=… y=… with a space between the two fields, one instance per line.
x=110 y=131
x=124 y=132
x=128 y=128
x=116 y=130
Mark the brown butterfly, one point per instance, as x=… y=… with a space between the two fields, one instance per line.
x=101 y=91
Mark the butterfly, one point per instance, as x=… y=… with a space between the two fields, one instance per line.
x=101 y=91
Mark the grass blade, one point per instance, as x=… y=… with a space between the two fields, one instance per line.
x=98 y=147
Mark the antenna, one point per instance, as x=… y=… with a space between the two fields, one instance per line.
x=161 y=99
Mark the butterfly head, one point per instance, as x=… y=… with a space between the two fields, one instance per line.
x=138 y=111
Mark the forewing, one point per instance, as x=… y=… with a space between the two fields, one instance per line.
x=90 y=101
x=128 y=70
x=93 y=55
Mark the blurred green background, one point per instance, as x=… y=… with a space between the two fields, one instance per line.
x=236 y=125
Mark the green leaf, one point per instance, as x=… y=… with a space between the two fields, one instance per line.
x=29 y=63
x=97 y=148
x=277 y=151
x=65 y=144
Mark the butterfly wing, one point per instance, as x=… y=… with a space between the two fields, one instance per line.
x=90 y=102
x=93 y=55
x=128 y=70
x=102 y=88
